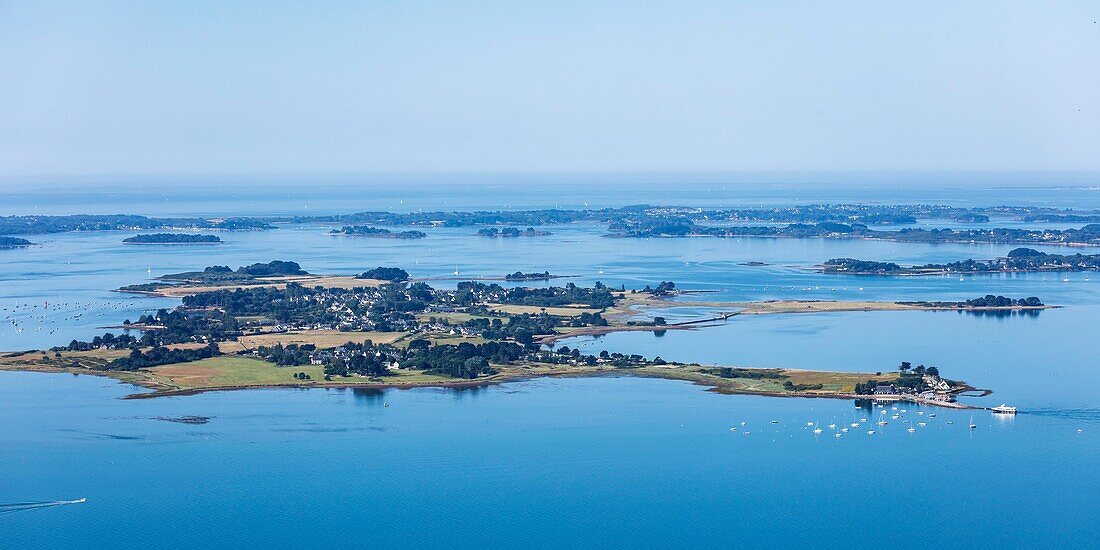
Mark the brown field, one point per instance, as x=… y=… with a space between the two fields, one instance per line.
x=566 y=311
x=454 y=318
x=319 y=338
x=69 y=359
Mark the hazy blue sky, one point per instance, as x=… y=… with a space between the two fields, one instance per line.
x=194 y=87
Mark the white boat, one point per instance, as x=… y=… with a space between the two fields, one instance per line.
x=911 y=430
x=1004 y=409
x=881 y=422
x=818 y=430
x=870 y=432
x=972 y=424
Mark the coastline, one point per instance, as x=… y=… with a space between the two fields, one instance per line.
x=145 y=379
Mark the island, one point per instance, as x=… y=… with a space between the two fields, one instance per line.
x=377 y=233
x=13 y=242
x=863 y=214
x=37 y=225
x=1019 y=260
x=511 y=232
x=1088 y=235
x=521 y=276
x=391 y=274
x=274 y=324
x=848 y=221
x=173 y=238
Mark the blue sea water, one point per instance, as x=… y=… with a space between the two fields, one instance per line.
x=615 y=461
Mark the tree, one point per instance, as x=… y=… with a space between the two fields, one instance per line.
x=524 y=336
x=474 y=366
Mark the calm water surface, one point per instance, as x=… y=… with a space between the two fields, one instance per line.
x=591 y=462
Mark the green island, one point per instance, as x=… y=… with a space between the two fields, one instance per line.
x=521 y=276
x=172 y=238
x=377 y=233
x=274 y=324
x=511 y=232
x=1019 y=260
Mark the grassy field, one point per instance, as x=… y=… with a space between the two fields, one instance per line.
x=228 y=370
x=326 y=281
x=832 y=382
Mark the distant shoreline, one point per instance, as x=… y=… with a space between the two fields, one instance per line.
x=139 y=243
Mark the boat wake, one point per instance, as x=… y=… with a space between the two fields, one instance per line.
x=13 y=507
x=1086 y=415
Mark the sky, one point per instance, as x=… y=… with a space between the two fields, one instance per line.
x=182 y=88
